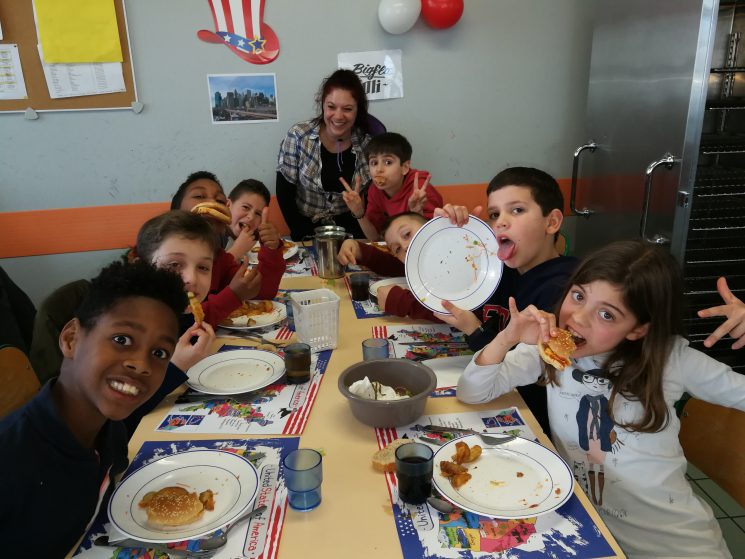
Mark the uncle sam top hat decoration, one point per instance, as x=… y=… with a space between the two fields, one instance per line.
x=240 y=26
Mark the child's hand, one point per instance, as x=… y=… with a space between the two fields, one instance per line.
x=349 y=252
x=187 y=355
x=458 y=215
x=464 y=320
x=352 y=197
x=268 y=234
x=246 y=284
x=244 y=242
x=419 y=195
x=530 y=325
x=734 y=310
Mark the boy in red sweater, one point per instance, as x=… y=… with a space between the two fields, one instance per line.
x=398 y=232
x=395 y=188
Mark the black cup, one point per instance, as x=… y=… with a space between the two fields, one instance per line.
x=414 y=463
x=297 y=363
x=360 y=286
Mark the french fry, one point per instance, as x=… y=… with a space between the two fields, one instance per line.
x=196 y=307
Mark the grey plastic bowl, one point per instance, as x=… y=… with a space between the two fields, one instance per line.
x=417 y=378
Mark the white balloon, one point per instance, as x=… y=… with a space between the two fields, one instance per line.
x=398 y=16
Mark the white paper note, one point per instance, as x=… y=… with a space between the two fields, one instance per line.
x=12 y=84
x=75 y=80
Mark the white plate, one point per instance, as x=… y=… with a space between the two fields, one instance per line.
x=518 y=479
x=401 y=282
x=448 y=369
x=277 y=314
x=253 y=257
x=232 y=478
x=235 y=372
x=457 y=264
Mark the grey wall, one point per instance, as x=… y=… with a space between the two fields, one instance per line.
x=505 y=86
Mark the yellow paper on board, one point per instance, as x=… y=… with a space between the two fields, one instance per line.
x=74 y=31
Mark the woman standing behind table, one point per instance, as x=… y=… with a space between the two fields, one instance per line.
x=316 y=153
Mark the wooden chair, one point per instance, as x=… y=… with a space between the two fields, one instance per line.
x=17 y=378
x=711 y=437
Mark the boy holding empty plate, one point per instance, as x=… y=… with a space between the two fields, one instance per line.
x=524 y=209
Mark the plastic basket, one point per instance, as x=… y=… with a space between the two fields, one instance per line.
x=316 y=314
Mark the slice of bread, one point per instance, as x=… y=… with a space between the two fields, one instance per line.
x=385 y=459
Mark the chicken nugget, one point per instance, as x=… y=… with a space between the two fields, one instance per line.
x=459 y=479
x=451 y=468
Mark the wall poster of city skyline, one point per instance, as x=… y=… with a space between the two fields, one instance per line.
x=242 y=98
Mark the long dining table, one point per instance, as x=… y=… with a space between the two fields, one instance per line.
x=355 y=517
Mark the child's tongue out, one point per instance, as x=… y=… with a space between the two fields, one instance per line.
x=506 y=249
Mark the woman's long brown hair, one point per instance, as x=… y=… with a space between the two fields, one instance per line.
x=652 y=288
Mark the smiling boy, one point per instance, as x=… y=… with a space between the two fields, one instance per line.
x=395 y=187
x=63 y=448
x=249 y=208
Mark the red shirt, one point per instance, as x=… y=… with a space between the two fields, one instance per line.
x=400 y=301
x=380 y=207
x=222 y=301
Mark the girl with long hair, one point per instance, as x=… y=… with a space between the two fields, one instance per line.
x=611 y=410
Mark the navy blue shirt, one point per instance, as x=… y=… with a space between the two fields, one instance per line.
x=541 y=286
x=50 y=483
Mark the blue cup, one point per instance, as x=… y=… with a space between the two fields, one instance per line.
x=303 y=476
x=374 y=348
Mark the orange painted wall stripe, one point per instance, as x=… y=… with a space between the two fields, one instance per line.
x=60 y=231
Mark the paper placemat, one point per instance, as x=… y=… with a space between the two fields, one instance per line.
x=257 y=539
x=426 y=534
x=278 y=409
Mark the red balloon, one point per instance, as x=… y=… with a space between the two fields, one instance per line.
x=442 y=14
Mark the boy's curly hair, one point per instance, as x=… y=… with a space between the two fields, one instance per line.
x=120 y=280
x=197 y=175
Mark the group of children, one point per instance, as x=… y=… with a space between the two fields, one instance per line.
x=610 y=413
x=125 y=347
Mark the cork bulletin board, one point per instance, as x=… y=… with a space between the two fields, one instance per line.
x=17 y=18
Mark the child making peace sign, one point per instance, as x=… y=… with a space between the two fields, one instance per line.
x=397 y=188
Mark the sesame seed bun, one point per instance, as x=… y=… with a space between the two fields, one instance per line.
x=172 y=506
x=214 y=209
x=558 y=349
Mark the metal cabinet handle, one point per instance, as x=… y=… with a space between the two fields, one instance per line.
x=668 y=160
x=592 y=146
